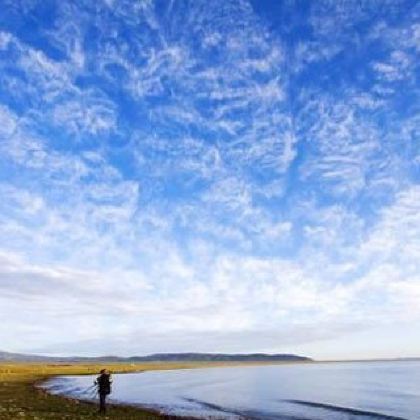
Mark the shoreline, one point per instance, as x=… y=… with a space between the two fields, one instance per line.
x=310 y=404
x=141 y=368
x=22 y=394
x=37 y=385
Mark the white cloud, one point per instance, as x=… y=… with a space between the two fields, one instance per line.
x=8 y=122
x=5 y=38
x=85 y=116
x=342 y=143
x=399 y=66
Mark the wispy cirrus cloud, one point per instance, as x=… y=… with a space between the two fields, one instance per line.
x=209 y=170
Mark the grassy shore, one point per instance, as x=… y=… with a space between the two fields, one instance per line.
x=20 y=399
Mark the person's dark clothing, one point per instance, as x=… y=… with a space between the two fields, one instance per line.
x=102 y=403
x=103 y=383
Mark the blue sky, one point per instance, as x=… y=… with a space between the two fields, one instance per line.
x=210 y=176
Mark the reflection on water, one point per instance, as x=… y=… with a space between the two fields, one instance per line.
x=324 y=391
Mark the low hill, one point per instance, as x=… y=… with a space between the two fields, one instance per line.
x=161 y=357
x=220 y=357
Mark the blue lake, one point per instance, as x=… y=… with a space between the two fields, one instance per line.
x=324 y=391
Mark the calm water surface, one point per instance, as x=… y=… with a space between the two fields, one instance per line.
x=324 y=391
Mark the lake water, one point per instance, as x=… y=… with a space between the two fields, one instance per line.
x=324 y=391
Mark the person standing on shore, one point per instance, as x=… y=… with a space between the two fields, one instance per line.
x=103 y=382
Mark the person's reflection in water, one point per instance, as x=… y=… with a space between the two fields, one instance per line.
x=103 y=382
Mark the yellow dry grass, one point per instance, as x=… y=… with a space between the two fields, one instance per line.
x=20 y=399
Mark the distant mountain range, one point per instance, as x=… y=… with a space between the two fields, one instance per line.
x=161 y=357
